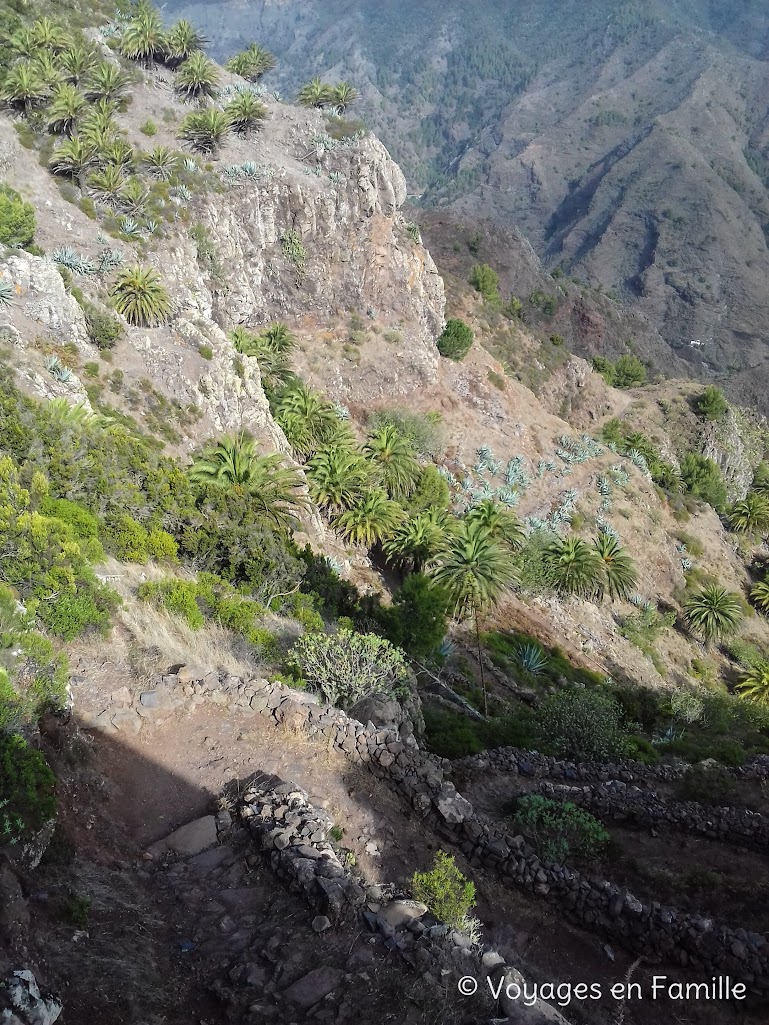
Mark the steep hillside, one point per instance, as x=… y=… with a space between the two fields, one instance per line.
x=626 y=142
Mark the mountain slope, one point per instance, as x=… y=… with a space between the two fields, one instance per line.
x=628 y=143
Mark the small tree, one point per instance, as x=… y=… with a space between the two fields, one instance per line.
x=455 y=341
x=629 y=372
x=559 y=829
x=582 y=724
x=702 y=478
x=446 y=892
x=346 y=667
x=486 y=280
x=711 y=403
x=17 y=219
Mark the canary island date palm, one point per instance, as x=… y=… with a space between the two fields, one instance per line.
x=574 y=567
x=106 y=82
x=64 y=109
x=271 y=349
x=74 y=158
x=206 y=130
x=370 y=520
x=108 y=181
x=247 y=113
x=475 y=569
x=395 y=464
x=252 y=63
x=315 y=94
x=713 y=613
x=23 y=42
x=197 y=77
x=161 y=162
x=503 y=524
x=143 y=38
x=750 y=515
x=141 y=297
x=75 y=63
x=50 y=36
x=760 y=595
x=339 y=477
x=754 y=684
x=182 y=41
x=343 y=96
x=46 y=65
x=23 y=87
x=308 y=421
x=620 y=577
x=234 y=463
x=418 y=539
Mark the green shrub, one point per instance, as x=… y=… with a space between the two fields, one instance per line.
x=149 y=128
x=455 y=341
x=161 y=546
x=582 y=724
x=486 y=281
x=346 y=667
x=104 y=330
x=17 y=219
x=446 y=892
x=629 y=372
x=708 y=784
x=179 y=597
x=711 y=403
x=206 y=352
x=27 y=790
x=559 y=830
x=418 y=616
x=83 y=523
x=702 y=478
x=126 y=538
x=455 y=735
x=70 y=614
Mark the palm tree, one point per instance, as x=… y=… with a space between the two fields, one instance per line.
x=65 y=107
x=270 y=349
x=74 y=159
x=23 y=86
x=235 y=464
x=108 y=181
x=574 y=567
x=49 y=36
x=98 y=126
x=343 y=96
x=106 y=82
x=239 y=64
x=47 y=67
x=139 y=295
x=252 y=63
x=134 y=196
x=119 y=152
x=315 y=94
x=338 y=478
x=714 y=613
x=206 y=130
x=247 y=112
x=143 y=38
x=23 y=42
x=619 y=572
x=161 y=162
x=393 y=457
x=308 y=421
x=503 y=525
x=370 y=520
x=197 y=77
x=183 y=40
x=760 y=595
x=750 y=515
x=278 y=338
x=475 y=569
x=75 y=63
x=417 y=540
x=754 y=684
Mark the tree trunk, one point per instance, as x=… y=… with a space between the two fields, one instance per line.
x=480 y=666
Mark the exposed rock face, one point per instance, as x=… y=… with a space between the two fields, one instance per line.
x=21 y=1002
x=736 y=443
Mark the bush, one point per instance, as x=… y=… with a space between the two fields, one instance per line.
x=104 y=330
x=418 y=616
x=17 y=219
x=455 y=341
x=149 y=128
x=702 y=478
x=485 y=280
x=27 y=790
x=711 y=403
x=179 y=597
x=446 y=892
x=70 y=614
x=629 y=372
x=582 y=724
x=346 y=667
x=559 y=829
x=82 y=523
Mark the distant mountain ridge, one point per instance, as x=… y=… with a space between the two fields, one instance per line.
x=629 y=142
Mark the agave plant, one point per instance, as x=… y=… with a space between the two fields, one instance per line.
x=197 y=77
x=532 y=658
x=7 y=294
x=109 y=260
x=130 y=227
x=182 y=194
x=713 y=613
x=140 y=296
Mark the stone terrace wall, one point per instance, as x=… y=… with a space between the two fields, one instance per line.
x=656 y=931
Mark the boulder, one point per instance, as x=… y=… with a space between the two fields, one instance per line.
x=22 y=1003
x=401 y=912
x=188 y=840
x=314 y=986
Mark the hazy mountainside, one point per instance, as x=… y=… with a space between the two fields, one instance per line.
x=627 y=142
